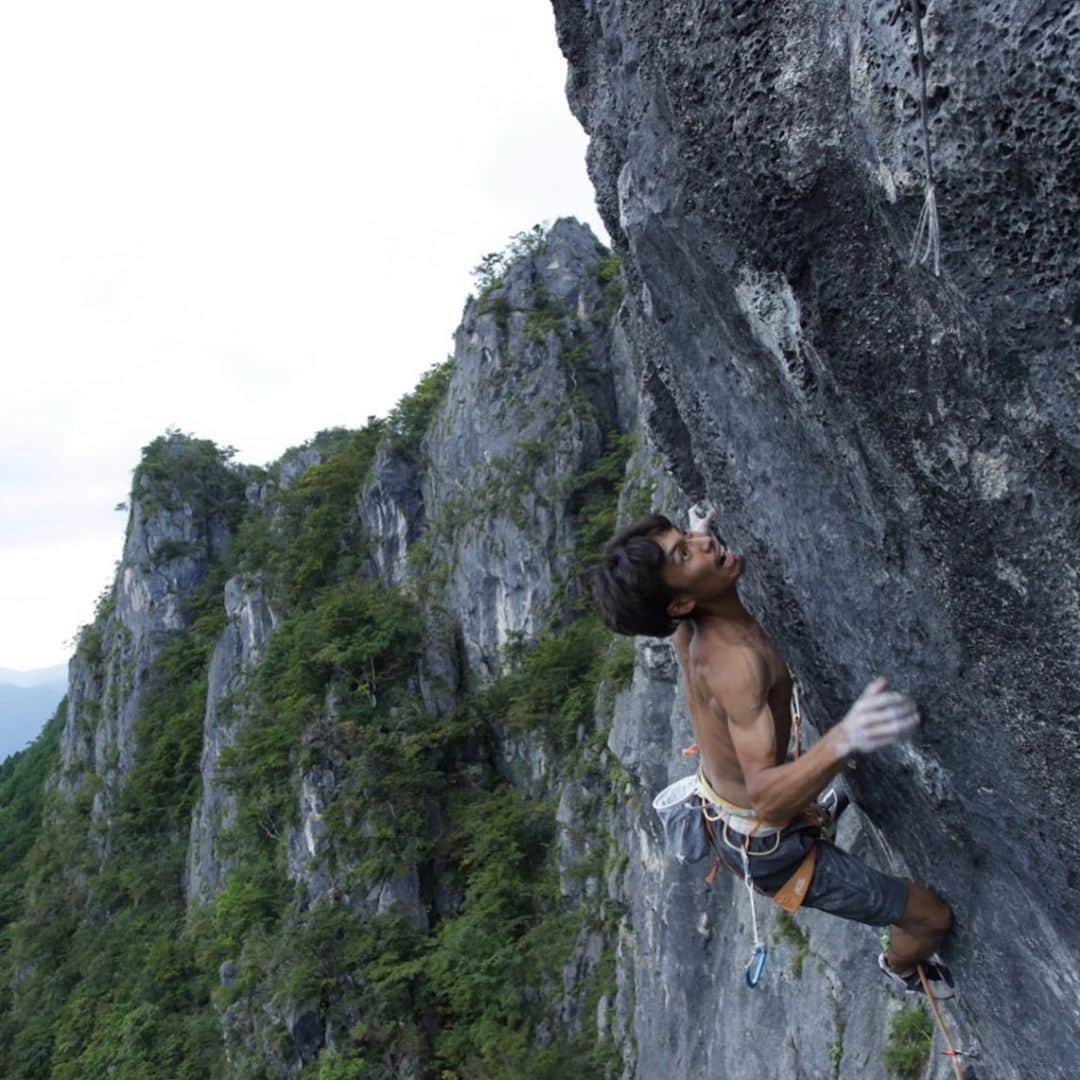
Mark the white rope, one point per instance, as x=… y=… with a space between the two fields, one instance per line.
x=928 y=234
x=750 y=891
x=796 y=717
x=927 y=231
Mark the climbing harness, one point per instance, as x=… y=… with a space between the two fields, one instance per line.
x=740 y=820
x=927 y=242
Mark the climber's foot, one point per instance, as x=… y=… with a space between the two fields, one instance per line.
x=938 y=978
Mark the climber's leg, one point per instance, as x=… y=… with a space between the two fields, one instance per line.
x=846 y=886
x=920 y=930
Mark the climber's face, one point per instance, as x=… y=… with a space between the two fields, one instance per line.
x=697 y=567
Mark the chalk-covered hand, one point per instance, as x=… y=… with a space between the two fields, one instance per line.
x=701 y=518
x=878 y=718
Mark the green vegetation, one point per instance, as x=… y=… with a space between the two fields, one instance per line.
x=489 y=271
x=908 y=1049
x=508 y=938
x=609 y=275
x=835 y=1050
x=22 y=799
x=107 y=982
x=591 y=495
x=788 y=930
x=493 y=302
x=104 y=970
x=552 y=690
x=411 y=418
x=543 y=318
x=355 y=640
x=177 y=470
x=316 y=537
x=546 y=317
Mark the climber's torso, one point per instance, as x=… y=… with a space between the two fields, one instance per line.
x=709 y=649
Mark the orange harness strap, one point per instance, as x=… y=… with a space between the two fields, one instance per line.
x=792 y=893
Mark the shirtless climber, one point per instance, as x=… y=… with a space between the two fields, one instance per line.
x=657 y=579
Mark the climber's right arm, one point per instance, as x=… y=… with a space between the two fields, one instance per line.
x=780 y=791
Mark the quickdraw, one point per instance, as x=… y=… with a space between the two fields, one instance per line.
x=755 y=966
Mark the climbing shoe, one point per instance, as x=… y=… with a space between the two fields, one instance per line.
x=938 y=978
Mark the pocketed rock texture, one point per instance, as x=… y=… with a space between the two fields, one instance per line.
x=895 y=454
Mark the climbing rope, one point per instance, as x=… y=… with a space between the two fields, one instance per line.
x=952 y=1053
x=927 y=242
x=755 y=966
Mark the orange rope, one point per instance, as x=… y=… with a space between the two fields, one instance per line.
x=952 y=1052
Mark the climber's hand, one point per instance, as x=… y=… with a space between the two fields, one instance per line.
x=701 y=519
x=878 y=717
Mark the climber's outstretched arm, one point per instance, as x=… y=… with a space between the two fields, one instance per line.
x=780 y=791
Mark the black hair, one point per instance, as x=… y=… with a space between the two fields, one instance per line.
x=626 y=582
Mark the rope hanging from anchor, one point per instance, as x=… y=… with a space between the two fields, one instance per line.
x=926 y=245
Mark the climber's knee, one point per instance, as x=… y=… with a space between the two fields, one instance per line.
x=926 y=914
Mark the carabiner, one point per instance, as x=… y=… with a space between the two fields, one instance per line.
x=755 y=966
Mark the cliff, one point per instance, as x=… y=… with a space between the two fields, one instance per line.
x=327 y=794
x=895 y=452
x=350 y=781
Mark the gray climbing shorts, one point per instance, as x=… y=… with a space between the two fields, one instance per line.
x=842 y=884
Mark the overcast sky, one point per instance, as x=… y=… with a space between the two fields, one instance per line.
x=249 y=221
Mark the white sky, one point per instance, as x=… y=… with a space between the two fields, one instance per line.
x=246 y=220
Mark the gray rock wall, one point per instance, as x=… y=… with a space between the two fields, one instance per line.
x=530 y=401
x=251 y=621
x=167 y=551
x=894 y=453
x=483 y=519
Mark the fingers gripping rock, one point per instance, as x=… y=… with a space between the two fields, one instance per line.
x=700 y=518
x=878 y=718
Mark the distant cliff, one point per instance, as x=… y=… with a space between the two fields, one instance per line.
x=330 y=794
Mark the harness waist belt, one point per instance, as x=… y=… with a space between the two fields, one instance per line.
x=738 y=819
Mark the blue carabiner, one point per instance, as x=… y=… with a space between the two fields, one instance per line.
x=755 y=966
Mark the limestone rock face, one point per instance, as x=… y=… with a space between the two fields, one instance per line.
x=251 y=621
x=484 y=511
x=170 y=542
x=529 y=403
x=392 y=508
x=893 y=453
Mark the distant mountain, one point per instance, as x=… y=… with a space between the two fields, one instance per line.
x=37 y=677
x=27 y=700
